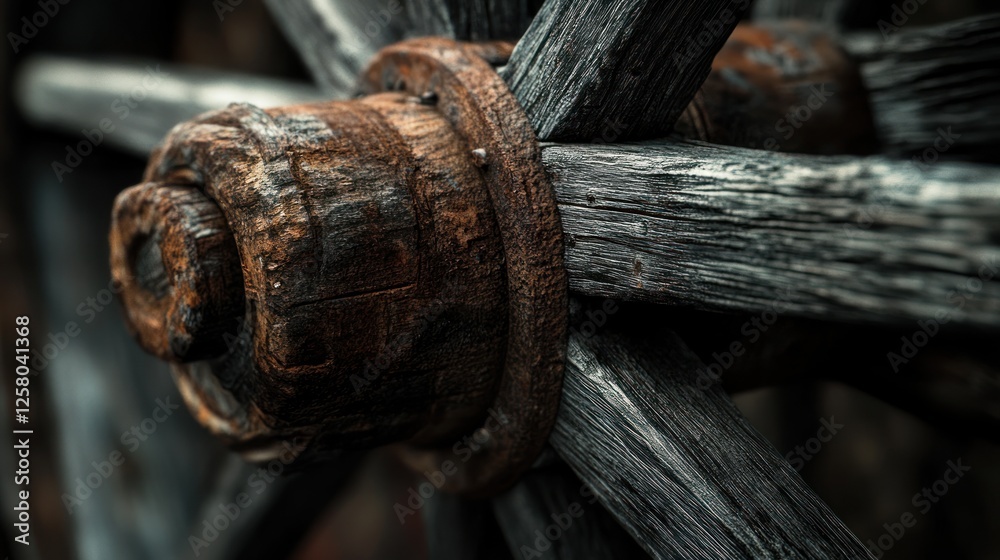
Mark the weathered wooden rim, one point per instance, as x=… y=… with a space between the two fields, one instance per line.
x=478 y=104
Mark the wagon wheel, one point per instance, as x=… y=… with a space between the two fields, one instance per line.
x=640 y=417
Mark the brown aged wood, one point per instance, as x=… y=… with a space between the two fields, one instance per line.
x=421 y=234
x=175 y=239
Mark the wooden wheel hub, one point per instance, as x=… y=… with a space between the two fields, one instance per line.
x=348 y=274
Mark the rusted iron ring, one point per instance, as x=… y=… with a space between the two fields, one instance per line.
x=478 y=104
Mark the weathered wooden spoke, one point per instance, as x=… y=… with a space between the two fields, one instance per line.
x=930 y=83
x=63 y=92
x=336 y=38
x=471 y=20
x=871 y=240
x=584 y=67
x=677 y=464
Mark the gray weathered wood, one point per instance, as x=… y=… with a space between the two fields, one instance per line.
x=680 y=467
x=336 y=38
x=614 y=70
x=63 y=92
x=923 y=80
x=471 y=20
x=852 y=239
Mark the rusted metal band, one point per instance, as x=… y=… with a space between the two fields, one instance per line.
x=478 y=104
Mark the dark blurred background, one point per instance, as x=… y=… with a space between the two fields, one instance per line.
x=99 y=383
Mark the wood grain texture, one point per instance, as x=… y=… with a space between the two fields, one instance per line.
x=471 y=20
x=336 y=38
x=925 y=80
x=583 y=67
x=680 y=467
x=174 y=239
x=850 y=239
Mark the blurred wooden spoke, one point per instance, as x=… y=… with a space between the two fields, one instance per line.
x=458 y=528
x=935 y=88
x=680 y=467
x=336 y=38
x=550 y=513
x=142 y=101
x=828 y=12
x=631 y=66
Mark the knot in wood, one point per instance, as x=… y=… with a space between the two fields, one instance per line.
x=348 y=274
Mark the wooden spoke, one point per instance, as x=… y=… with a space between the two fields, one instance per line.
x=458 y=528
x=477 y=20
x=336 y=38
x=678 y=466
x=635 y=64
x=924 y=81
x=852 y=239
x=76 y=95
